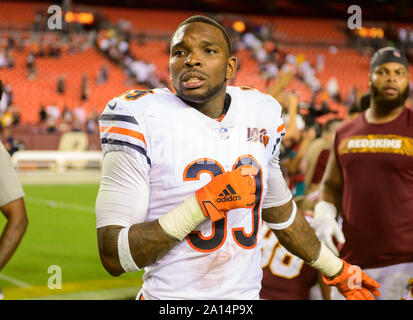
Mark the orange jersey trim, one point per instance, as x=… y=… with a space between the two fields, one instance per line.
x=280 y=127
x=221 y=117
x=125 y=132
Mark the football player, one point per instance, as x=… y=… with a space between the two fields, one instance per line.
x=369 y=180
x=188 y=176
x=12 y=206
x=285 y=276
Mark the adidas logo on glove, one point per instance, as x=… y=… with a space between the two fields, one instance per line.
x=228 y=194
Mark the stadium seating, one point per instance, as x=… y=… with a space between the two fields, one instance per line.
x=16 y=14
x=152 y=21
x=30 y=94
x=347 y=65
x=306 y=31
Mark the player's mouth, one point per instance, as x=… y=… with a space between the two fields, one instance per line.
x=192 y=80
x=193 y=83
x=390 y=90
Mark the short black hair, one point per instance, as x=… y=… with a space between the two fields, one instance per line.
x=207 y=20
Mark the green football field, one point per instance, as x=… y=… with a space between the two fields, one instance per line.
x=60 y=244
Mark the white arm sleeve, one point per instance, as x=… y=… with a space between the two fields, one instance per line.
x=123 y=197
x=278 y=192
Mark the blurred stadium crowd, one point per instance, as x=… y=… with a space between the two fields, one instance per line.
x=58 y=81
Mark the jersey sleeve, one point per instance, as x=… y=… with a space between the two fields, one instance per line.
x=278 y=192
x=10 y=186
x=123 y=197
x=279 y=132
x=120 y=130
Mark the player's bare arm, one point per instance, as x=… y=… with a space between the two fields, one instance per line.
x=331 y=184
x=299 y=238
x=147 y=241
x=15 y=213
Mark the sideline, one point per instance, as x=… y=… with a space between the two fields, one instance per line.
x=47 y=177
x=80 y=289
x=15 y=281
x=109 y=294
x=59 y=204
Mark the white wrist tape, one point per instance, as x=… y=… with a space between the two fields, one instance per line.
x=181 y=220
x=125 y=257
x=285 y=224
x=327 y=262
x=324 y=209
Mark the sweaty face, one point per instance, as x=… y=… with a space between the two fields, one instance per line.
x=389 y=85
x=200 y=62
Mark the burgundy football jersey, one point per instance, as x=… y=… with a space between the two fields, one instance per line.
x=285 y=276
x=376 y=162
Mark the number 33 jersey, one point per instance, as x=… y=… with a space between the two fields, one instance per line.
x=182 y=149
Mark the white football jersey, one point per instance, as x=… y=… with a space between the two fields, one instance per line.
x=183 y=149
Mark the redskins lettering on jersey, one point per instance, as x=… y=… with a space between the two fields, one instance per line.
x=184 y=149
x=376 y=162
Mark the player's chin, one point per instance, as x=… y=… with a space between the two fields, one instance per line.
x=194 y=95
x=392 y=101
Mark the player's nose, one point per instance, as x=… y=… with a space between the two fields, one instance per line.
x=392 y=77
x=193 y=61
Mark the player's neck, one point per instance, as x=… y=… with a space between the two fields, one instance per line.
x=212 y=108
x=378 y=114
x=214 y=111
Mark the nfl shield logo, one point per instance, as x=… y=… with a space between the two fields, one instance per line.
x=223 y=133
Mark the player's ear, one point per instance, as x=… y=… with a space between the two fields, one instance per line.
x=231 y=68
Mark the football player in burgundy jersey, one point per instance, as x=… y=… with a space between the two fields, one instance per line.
x=285 y=276
x=369 y=180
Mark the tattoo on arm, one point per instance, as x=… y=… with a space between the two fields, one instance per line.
x=299 y=238
x=147 y=243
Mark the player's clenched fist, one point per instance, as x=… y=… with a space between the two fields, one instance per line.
x=354 y=284
x=228 y=191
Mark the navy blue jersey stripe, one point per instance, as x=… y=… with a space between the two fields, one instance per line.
x=127 y=144
x=117 y=117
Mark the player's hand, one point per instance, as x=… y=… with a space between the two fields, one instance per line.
x=354 y=284
x=228 y=191
x=325 y=225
